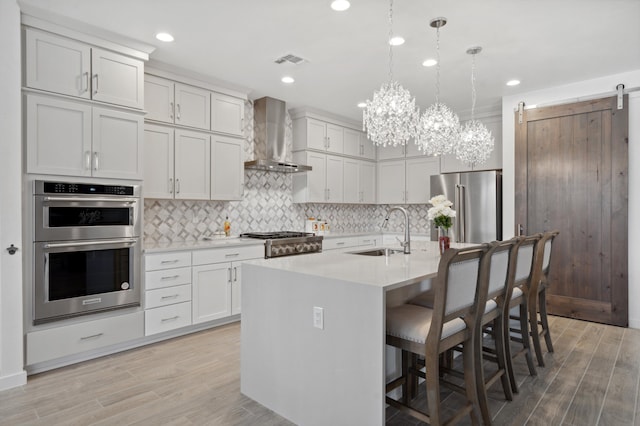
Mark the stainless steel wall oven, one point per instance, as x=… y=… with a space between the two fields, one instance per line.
x=86 y=249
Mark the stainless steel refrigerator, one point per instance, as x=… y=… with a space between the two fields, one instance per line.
x=477 y=200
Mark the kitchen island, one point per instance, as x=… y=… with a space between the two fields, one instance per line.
x=313 y=331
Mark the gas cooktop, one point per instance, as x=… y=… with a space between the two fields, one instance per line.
x=276 y=235
x=287 y=243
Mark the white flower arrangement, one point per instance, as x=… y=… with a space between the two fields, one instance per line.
x=441 y=213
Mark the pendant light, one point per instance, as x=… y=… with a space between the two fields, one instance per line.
x=438 y=131
x=390 y=118
x=476 y=141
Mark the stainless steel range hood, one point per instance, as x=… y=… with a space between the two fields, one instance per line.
x=270 y=145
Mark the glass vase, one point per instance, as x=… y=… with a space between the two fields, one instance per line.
x=443 y=239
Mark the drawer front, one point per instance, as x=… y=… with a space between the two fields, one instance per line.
x=167 y=278
x=367 y=241
x=167 y=296
x=175 y=259
x=227 y=254
x=338 y=243
x=167 y=318
x=72 y=339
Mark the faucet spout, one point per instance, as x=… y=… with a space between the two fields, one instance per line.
x=406 y=244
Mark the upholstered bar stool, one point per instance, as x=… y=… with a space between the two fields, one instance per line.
x=459 y=296
x=519 y=299
x=537 y=307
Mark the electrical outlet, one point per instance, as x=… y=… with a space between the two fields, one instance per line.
x=318 y=317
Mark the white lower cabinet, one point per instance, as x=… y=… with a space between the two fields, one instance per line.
x=167 y=318
x=46 y=345
x=350 y=243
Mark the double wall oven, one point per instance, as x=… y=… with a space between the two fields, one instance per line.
x=86 y=249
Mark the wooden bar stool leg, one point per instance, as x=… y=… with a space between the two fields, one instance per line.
x=501 y=355
x=542 y=301
x=535 y=335
x=526 y=341
x=481 y=389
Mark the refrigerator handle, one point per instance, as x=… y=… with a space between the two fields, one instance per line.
x=463 y=213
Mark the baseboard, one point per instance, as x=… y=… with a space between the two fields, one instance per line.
x=13 y=381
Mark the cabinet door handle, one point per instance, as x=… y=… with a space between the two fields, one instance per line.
x=229 y=272
x=328 y=142
x=177 y=186
x=93 y=336
x=170 y=185
x=95 y=88
x=178 y=113
x=96 y=160
x=85 y=79
x=87 y=160
x=171 y=110
x=235 y=274
x=173 y=296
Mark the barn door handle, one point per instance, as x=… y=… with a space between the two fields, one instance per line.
x=520 y=230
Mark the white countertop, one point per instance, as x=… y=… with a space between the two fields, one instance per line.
x=201 y=244
x=387 y=272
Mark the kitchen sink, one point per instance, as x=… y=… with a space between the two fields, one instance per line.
x=384 y=251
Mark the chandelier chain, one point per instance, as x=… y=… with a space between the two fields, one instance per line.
x=438 y=64
x=473 y=86
x=390 y=36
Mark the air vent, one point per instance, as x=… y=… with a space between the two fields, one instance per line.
x=292 y=59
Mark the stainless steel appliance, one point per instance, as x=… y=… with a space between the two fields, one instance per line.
x=477 y=200
x=287 y=243
x=86 y=249
x=270 y=145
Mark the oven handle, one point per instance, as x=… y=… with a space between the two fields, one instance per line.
x=90 y=199
x=128 y=241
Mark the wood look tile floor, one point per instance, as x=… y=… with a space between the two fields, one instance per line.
x=591 y=379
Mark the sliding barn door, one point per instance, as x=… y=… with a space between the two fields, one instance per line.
x=571 y=167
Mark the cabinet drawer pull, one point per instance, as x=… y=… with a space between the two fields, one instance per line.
x=170 y=319
x=173 y=296
x=232 y=254
x=93 y=336
x=341 y=243
x=172 y=277
x=164 y=262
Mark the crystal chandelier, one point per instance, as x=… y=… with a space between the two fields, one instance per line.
x=438 y=131
x=390 y=118
x=476 y=141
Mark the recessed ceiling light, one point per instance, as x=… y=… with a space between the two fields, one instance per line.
x=513 y=82
x=396 y=41
x=429 y=63
x=340 y=5
x=362 y=104
x=166 y=37
x=287 y=79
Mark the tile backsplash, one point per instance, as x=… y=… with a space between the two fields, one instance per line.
x=267 y=206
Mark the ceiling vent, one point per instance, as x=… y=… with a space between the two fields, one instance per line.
x=292 y=59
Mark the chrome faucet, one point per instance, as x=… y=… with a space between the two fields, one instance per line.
x=406 y=244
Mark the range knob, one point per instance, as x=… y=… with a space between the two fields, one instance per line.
x=299 y=248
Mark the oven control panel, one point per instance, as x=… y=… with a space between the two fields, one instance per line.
x=43 y=187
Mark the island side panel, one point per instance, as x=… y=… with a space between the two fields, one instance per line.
x=308 y=375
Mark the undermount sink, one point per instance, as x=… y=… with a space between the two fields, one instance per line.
x=384 y=251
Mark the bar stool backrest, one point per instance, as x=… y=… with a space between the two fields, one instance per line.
x=524 y=263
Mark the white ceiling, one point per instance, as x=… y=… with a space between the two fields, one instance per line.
x=543 y=43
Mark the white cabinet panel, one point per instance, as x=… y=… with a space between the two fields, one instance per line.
x=367 y=182
x=391 y=175
x=167 y=277
x=227 y=114
x=58 y=137
x=118 y=138
x=66 y=340
x=192 y=165
x=167 y=296
x=335 y=138
x=352 y=143
x=193 y=106
x=335 y=178
x=222 y=255
x=389 y=152
x=418 y=178
x=57 y=64
x=227 y=168
x=368 y=149
x=158 y=261
x=158 y=161
x=211 y=292
x=236 y=289
x=351 y=180
x=117 y=79
x=159 y=98
x=167 y=318
x=316 y=134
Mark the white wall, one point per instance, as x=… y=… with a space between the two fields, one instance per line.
x=11 y=347
x=600 y=87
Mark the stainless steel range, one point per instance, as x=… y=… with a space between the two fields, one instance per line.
x=287 y=243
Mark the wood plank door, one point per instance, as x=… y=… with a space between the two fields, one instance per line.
x=571 y=166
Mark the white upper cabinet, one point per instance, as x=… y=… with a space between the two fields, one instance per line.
x=352 y=144
x=60 y=65
x=367 y=182
x=192 y=106
x=75 y=139
x=227 y=168
x=158 y=161
x=159 y=98
x=368 y=150
x=406 y=181
x=192 y=165
x=335 y=138
x=227 y=114
x=310 y=133
x=359 y=181
x=390 y=152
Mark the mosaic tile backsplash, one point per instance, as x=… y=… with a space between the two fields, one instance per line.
x=267 y=206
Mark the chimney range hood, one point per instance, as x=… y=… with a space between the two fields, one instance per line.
x=270 y=145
